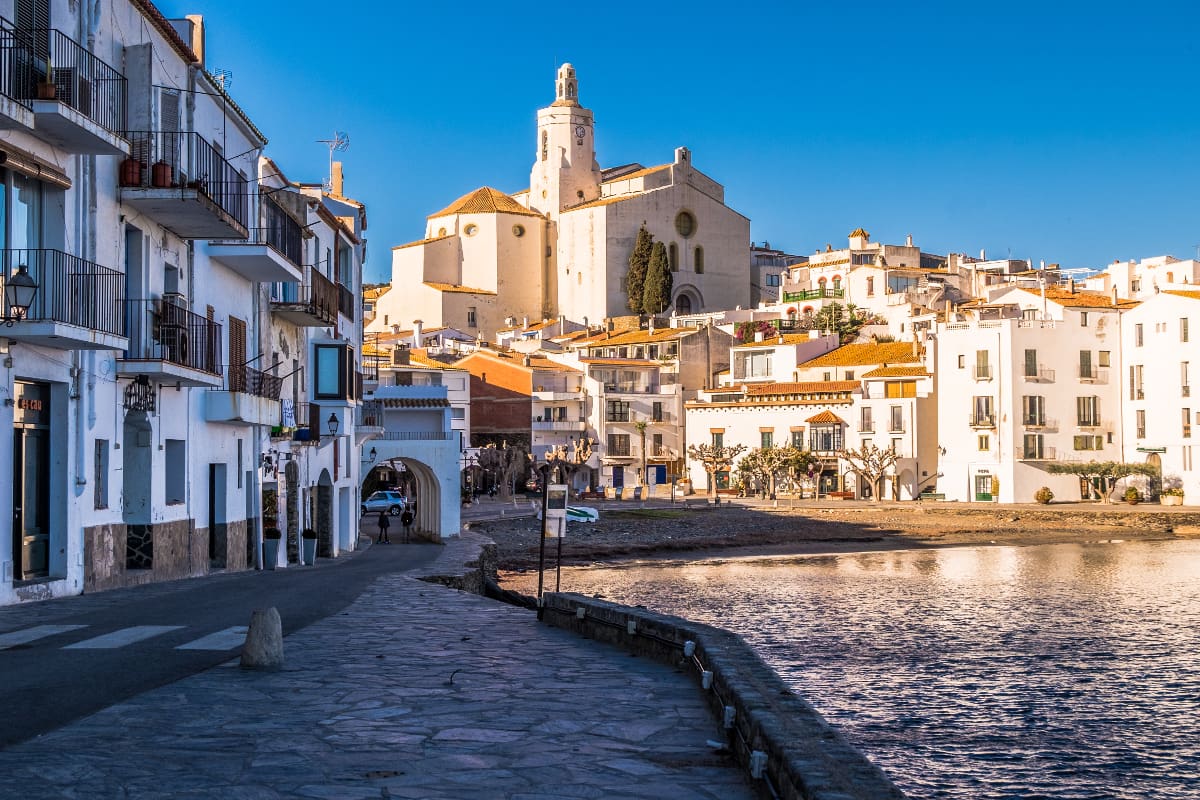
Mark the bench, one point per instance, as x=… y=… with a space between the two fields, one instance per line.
x=591 y=495
x=931 y=496
x=841 y=495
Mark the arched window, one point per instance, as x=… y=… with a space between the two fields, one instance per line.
x=699 y=260
x=821 y=279
x=673 y=256
x=683 y=303
x=837 y=282
x=545 y=145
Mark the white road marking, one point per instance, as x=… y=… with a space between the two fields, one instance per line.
x=228 y=639
x=111 y=641
x=28 y=635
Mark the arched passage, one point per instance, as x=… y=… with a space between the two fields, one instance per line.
x=421 y=479
x=291 y=477
x=324 y=515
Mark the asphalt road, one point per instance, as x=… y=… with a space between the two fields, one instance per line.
x=46 y=683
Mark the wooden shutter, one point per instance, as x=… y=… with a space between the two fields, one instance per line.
x=237 y=355
x=34 y=15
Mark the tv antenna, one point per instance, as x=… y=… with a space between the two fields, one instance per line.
x=224 y=78
x=339 y=143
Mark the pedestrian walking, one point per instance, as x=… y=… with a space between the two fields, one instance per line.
x=406 y=519
x=384 y=522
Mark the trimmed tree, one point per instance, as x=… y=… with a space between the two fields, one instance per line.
x=870 y=463
x=639 y=263
x=656 y=295
x=1107 y=472
x=765 y=465
x=714 y=459
x=507 y=462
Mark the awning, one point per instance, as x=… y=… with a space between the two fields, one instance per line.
x=27 y=163
x=415 y=402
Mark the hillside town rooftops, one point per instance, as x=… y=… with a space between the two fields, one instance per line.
x=777 y=340
x=855 y=355
x=801 y=387
x=1080 y=299
x=1188 y=293
x=638 y=336
x=456 y=289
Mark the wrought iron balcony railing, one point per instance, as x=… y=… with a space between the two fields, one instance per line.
x=16 y=62
x=812 y=294
x=161 y=330
x=46 y=64
x=315 y=301
x=242 y=378
x=70 y=290
x=185 y=160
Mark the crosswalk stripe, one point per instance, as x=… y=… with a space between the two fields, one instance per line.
x=28 y=635
x=228 y=639
x=110 y=641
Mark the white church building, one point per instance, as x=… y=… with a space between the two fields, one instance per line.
x=562 y=246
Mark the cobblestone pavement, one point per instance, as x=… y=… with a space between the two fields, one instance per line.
x=414 y=691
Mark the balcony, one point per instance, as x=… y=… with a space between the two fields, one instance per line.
x=981 y=372
x=77 y=305
x=1040 y=375
x=546 y=394
x=1040 y=423
x=1093 y=425
x=368 y=423
x=419 y=436
x=982 y=420
x=170 y=344
x=181 y=181
x=78 y=101
x=812 y=294
x=251 y=397
x=560 y=425
x=1092 y=375
x=270 y=254
x=630 y=388
x=346 y=302
x=658 y=454
x=16 y=61
x=309 y=305
x=1036 y=454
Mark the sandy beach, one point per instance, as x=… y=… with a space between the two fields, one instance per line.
x=632 y=532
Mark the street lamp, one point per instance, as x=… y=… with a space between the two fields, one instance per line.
x=19 y=291
x=332 y=424
x=371 y=456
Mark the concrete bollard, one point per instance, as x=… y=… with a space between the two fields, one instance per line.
x=264 y=641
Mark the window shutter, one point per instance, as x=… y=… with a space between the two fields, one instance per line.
x=237 y=355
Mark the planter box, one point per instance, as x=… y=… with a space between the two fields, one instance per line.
x=1170 y=500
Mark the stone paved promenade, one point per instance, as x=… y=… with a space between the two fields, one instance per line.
x=414 y=691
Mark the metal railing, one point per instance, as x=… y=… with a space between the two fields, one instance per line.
x=242 y=378
x=812 y=294
x=1040 y=422
x=370 y=414
x=279 y=232
x=1040 y=375
x=319 y=296
x=1093 y=374
x=1036 y=454
x=160 y=330
x=185 y=160
x=983 y=372
x=61 y=69
x=420 y=436
x=70 y=290
x=16 y=62
x=982 y=420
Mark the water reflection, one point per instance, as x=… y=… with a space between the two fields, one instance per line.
x=1060 y=671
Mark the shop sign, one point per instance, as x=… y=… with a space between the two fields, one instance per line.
x=32 y=404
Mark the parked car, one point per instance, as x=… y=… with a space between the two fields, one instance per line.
x=392 y=502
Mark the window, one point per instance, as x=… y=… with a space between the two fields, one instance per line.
x=175 y=472
x=656 y=412
x=798 y=439
x=1185 y=388
x=657 y=443
x=870 y=287
x=865 y=423
x=1183 y=329
x=962 y=362
x=1141 y=423
x=752 y=365
x=471 y=230
x=472 y=318
x=849 y=376
x=1085 y=365
x=718 y=439
x=618 y=444
x=100 y=473
x=240 y=461
x=767 y=438
x=1088 y=442
x=699 y=261
x=685 y=224
x=1136 y=392
x=984 y=442
x=896 y=445
x=1031 y=367
x=1034 y=445
x=1187 y=423
x=1033 y=410
x=896 y=423
x=1105 y=358
x=981 y=411
x=673 y=256
x=1138 y=335
x=825 y=438
x=617 y=411
x=518 y=231
x=1087 y=411
x=1083 y=319
x=893 y=389
x=334 y=371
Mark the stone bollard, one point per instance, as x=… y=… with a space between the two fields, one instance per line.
x=264 y=641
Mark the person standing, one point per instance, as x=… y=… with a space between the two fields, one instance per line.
x=406 y=519
x=384 y=522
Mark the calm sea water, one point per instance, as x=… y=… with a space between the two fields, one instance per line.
x=1052 y=671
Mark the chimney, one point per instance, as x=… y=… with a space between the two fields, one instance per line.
x=585 y=325
x=336 y=180
x=416 y=334
x=916 y=346
x=562 y=324
x=526 y=361
x=608 y=324
x=191 y=30
x=395 y=328
x=1114 y=297
x=1071 y=286
x=400 y=355
x=650 y=326
x=982 y=254
x=908 y=240
x=525 y=322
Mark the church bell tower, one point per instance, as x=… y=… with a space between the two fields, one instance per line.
x=565 y=172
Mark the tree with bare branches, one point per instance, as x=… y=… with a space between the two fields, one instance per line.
x=508 y=462
x=714 y=459
x=1106 y=472
x=870 y=463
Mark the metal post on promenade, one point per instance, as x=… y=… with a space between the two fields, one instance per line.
x=544 y=471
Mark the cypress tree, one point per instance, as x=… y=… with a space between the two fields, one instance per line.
x=639 y=261
x=657 y=294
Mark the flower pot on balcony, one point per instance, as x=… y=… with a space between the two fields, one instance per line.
x=47 y=91
x=131 y=172
x=160 y=175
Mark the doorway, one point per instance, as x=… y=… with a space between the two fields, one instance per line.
x=218 y=523
x=31 y=503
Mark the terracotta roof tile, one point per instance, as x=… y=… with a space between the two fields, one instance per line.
x=854 y=355
x=1190 y=294
x=826 y=417
x=1081 y=299
x=773 y=341
x=639 y=336
x=803 y=387
x=455 y=289
x=421 y=241
x=897 y=372
x=485 y=200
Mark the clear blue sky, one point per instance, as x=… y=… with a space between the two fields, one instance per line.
x=1057 y=131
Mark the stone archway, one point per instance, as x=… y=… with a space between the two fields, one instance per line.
x=324 y=516
x=431 y=485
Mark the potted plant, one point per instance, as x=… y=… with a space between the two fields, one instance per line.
x=160 y=175
x=1043 y=495
x=1172 y=496
x=131 y=172
x=46 y=90
x=309 y=552
x=271 y=539
x=1132 y=496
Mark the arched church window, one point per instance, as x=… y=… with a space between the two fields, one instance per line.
x=545 y=145
x=685 y=224
x=699 y=260
x=683 y=304
x=673 y=256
